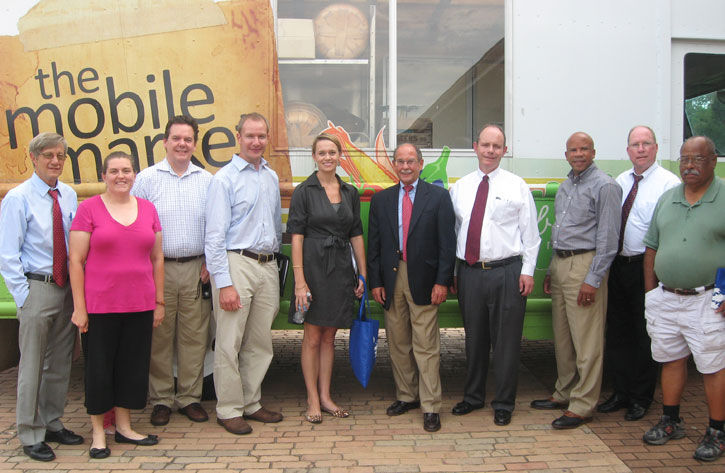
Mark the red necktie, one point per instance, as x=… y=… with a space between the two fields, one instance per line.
x=626 y=208
x=60 y=254
x=473 y=239
x=407 y=211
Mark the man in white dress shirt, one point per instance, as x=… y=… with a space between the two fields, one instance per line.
x=178 y=190
x=497 y=245
x=629 y=357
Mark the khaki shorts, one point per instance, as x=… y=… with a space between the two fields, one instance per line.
x=680 y=325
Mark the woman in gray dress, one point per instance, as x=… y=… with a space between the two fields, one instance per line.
x=324 y=221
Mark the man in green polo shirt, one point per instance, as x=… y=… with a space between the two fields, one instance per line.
x=685 y=247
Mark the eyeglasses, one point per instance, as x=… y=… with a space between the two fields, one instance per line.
x=697 y=160
x=49 y=155
x=409 y=162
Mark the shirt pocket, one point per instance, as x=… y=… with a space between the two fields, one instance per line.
x=506 y=210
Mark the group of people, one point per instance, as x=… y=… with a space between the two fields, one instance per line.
x=635 y=257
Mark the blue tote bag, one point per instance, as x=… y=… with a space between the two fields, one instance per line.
x=363 y=341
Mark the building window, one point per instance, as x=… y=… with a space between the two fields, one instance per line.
x=705 y=97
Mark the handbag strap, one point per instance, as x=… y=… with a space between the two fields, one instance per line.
x=364 y=301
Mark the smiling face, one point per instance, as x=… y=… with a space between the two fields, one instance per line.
x=49 y=164
x=580 y=152
x=642 y=149
x=180 y=145
x=489 y=148
x=326 y=156
x=407 y=164
x=252 y=137
x=119 y=175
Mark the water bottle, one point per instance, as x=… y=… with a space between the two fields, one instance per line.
x=299 y=316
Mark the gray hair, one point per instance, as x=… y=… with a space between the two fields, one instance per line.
x=46 y=140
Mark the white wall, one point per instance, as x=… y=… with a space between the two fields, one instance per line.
x=698 y=19
x=594 y=66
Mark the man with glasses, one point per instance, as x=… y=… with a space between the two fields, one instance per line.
x=584 y=237
x=34 y=222
x=497 y=245
x=685 y=247
x=411 y=254
x=634 y=373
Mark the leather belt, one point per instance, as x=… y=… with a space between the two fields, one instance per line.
x=568 y=253
x=183 y=259
x=261 y=259
x=40 y=277
x=629 y=259
x=688 y=292
x=493 y=264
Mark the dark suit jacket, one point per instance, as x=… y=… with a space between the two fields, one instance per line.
x=431 y=241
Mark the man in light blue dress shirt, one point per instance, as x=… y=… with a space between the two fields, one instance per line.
x=45 y=305
x=243 y=233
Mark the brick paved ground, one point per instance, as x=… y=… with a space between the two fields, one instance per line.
x=371 y=442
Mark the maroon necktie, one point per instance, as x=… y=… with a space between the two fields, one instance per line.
x=473 y=239
x=627 y=207
x=407 y=211
x=60 y=254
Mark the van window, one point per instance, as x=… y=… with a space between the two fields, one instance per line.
x=705 y=97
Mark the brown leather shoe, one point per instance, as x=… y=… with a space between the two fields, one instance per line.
x=235 y=425
x=263 y=415
x=195 y=412
x=160 y=415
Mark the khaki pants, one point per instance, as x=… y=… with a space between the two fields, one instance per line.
x=184 y=331
x=578 y=334
x=415 y=346
x=243 y=350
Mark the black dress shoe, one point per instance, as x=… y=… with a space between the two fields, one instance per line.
x=635 y=411
x=431 y=422
x=144 y=442
x=501 y=417
x=39 y=451
x=614 y=403
x=463 y=408
x=570 y=421
x=550 y=403
x=401 y=407
x=63 y=436
x=99 y=453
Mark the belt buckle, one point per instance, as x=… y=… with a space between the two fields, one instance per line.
x=48 y=278
x=483 y=265
x=262 y=261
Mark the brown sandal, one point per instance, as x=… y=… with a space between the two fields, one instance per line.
x=314 y=418
x=339 y=413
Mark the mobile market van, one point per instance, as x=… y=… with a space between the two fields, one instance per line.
x=107 y=74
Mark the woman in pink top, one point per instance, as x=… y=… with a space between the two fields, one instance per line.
x=117 y=275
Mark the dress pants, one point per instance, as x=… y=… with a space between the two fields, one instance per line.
x=243 y=349
x=628 y=346
x=415 y=346
x=578 y=334
x=493 y=316
x=184 y=331
x=46 y=338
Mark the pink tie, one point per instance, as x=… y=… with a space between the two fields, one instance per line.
x=407 y=211
x=627 y=207
x=60 y=254
x=473 y=239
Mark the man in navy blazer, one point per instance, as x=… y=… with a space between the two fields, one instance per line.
x=411 y=255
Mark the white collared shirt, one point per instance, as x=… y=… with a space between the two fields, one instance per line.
x=655 y=181
x=510 y=225
x=180 y=202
